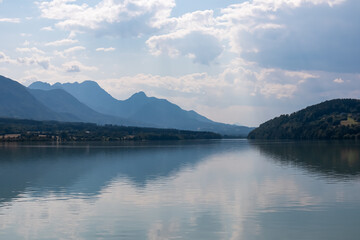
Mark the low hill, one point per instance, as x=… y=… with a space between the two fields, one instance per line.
x=333 y=119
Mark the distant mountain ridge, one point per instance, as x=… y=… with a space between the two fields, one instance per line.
x=17 y=102
x=105 y=103
x=139 y=108
x=62 y=102
x=333 y=119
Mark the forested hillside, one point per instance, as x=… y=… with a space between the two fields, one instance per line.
x=334 y=119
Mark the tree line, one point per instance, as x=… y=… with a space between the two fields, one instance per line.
x=31 y=130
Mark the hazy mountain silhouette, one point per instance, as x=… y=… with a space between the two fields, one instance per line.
x=87 y=92
x=141 y=108
x=17 y=102
x=61 y=101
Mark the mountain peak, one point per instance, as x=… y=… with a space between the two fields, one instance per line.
x=90 y=83
x=40 y=85
x=140 y=94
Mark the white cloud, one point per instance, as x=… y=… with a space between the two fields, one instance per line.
x=10 y=20
x=257 y=16
x=34 y=58
x=69 y=51
x=62 y=42
x=74 y=49
x=109 y=49
x=43 y=62
x=239 y=83
x=49 y=28
x=73 y=68
x=6 y=59
x=72 y=34
x=25 y=34
x=237 y=28
x=338 y=80
x=76 y=66
x=75 y=16
x=193 y=21
x=29 y=50
x=193 y=35
x=201 y=47
x=278 y=90
x=249 y=28
x=274 y=31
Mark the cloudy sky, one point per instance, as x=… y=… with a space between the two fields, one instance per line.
x=243 y=61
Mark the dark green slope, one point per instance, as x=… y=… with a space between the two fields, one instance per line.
x=334 y=119
x=17 y=102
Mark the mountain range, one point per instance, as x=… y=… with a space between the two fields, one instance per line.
x=17 y=102
x=88 y=102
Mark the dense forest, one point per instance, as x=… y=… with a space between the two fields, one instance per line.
x=30 y=130
x=334 y=119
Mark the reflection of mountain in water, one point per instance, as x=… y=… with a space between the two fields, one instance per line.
x=86 y=170
x=339 y=159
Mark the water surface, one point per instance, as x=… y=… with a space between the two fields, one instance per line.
x=223 y=189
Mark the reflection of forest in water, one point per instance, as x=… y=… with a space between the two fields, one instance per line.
x=337 y=159
x=62 y=169
x=202 y=188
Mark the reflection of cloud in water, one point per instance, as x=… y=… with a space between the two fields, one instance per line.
x=223 y=191
x=84 y=171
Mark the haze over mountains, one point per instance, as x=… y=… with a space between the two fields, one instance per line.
x=88 y=102
x=17 y=102
x=60 y=101
x=138 y=106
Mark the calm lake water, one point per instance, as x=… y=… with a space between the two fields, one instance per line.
x=223 y=189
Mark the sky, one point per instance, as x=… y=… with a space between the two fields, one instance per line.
x=240 y=62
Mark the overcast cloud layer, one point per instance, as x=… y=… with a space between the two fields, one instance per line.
x=240 y=62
